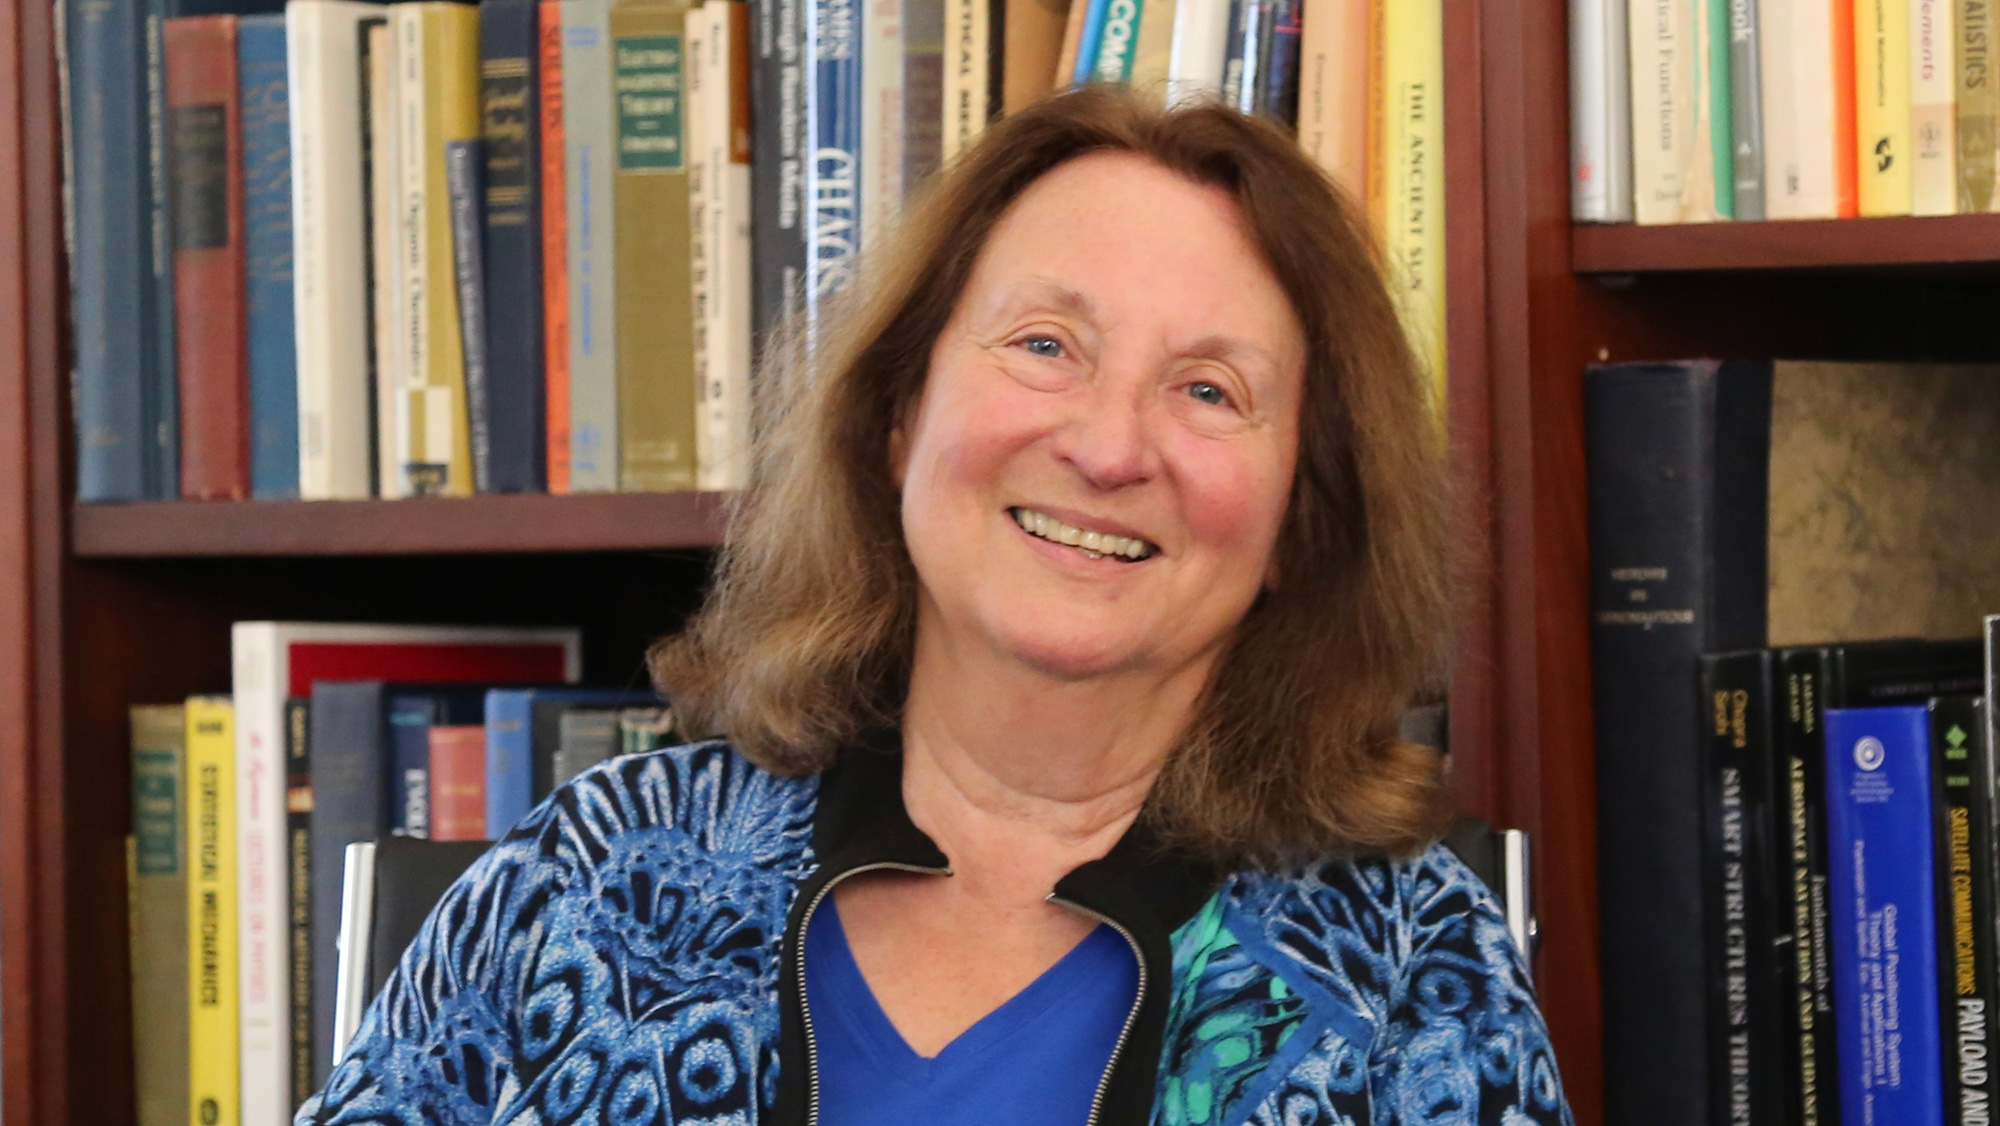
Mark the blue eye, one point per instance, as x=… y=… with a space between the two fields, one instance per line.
x=1047 y=347
x=1207 y=392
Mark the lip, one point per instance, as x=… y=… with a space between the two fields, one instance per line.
x=1087 y=523
x=1071 y=559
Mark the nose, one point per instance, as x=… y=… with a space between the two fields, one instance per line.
x=1110 y=440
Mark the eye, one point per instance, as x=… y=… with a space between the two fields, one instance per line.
x=1205 y=392
x=1047 y=347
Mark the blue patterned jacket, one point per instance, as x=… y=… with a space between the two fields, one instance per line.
x=629 y=954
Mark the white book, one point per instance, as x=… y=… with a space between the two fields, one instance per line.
x=1195 y=57
x=1933 y=106
x=881 y=118
x=329 y=267
x=386 y=226
x=724 y=442
x=416 y=148
x=1600 y=121
x=1801 y=113
x=588 y=142
x=1777 y=64
x=1333 y=87
x=1663 y=112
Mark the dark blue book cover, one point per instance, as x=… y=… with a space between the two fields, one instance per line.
x=1884 y=918
x=1278 y=85
x=833 y=175
x=510 y=103
x=348 y=763
x=271 y=345
x=114 y=306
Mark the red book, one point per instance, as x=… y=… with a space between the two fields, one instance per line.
x=205 y=146
x=458 y=783
x=555 y=251
x=1846 y=157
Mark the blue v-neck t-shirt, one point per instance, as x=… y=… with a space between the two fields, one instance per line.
x=1037 y=1058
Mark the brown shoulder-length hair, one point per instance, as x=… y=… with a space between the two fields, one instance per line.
x=805 y=641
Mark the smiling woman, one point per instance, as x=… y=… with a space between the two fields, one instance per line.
x=1053 y=663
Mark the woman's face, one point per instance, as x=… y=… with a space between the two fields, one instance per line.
x=1095 y=475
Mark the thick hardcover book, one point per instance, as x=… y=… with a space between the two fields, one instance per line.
x=778 y=167
x=298 y=854
x=1677 y=536
x=331 y=241
x=206 y=146
x=159 y=895
x=1882 y=106
x=555 y=250
x=1600 y=109
x=411 y=713
x=1739 y=890
x=1933 y=111
x=114 y=301
x=1974 y=103
x=163 y=394
x=968 y=71
x=655 y=301
x=1413 y=219
x=545 y=731
x=833 y=187
x=1885 y=955
x=589 y=148
x=213 y=1092
x=1278 y=91
x=510 y=113
x=1663 y=120
x=1962 y=836
x=1746 y=109
x=349 y=761
x=1798 y=92
x=269 y=324
x=721 y=229
x=1201 y=41
x=514 y=781
x=588 y=736
x=1333 y=86
x=463 y=161
x=458 y=782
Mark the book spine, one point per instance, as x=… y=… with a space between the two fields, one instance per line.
x=725 y=456
x=1933 y=80
x=1746 y=109
x=1713 y=183
x=1600 y=112
x=1961 y=781
x=1239 y=66
x=1118 y=41
x=261 y=851
x=1745 y=1046
x=655 y=302
x=1974 y=107
x=211 y=911
x=1200 y=41
x=1801 y=825
x=967 y=31
x=1878 y=801
x=206 y=143
x=422 y=471
x=410 y=719
x=159 y=894
x=1662 y=107
x=348 y=762
x=1072 y=47
x=589 y=127
x=778 y=107
x=463 y=161
x=1781 y=73
x=510 y=128
x=509 y=751
x=458 y=782
x=588 y=737
x=388 y=338
x=834 y=227
x=298 y=836
x=1278 y=94
x=555 y=252
x=1090 y=42
x=1882 y=106
x=161 y=394
x=881 y=117
x=332 y=342
x=113 y=298
x=1413 y=221
x=701 y=266
x=270 y=324
x=1846 y=109
x=923 y=91
x=1676 y=512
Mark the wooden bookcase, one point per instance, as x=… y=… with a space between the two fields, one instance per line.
x=105 y=606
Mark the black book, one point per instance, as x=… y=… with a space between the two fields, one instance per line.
x=777 y=165
x=545 y=729
x=1678 y=515
x=1745 y=1040
x=298 y=851
x=1962 y=807
x=411 y=876
x=511 y=128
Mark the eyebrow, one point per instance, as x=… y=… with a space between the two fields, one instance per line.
x=1214 y=346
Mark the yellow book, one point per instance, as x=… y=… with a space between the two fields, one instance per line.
x=1882 y=106
x=1412 y=163
x=211 y=920
x=436 y=103
x=652 y=251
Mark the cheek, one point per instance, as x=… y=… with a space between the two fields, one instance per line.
x=960 y=446
x=1235 y=499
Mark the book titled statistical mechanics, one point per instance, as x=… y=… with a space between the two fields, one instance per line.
x=1878 y=800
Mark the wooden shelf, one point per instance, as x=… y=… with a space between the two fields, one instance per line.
x=1946 y=240
x=422 y=526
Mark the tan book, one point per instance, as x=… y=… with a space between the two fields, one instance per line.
x=1072 y=42
x=1333 y=90
x=1035 y=42
x=156 y=876
x=654 y=293
x=1152 y=55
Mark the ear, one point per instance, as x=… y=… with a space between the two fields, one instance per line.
x=899 y=453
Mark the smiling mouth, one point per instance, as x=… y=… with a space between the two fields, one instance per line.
x=1093 y=545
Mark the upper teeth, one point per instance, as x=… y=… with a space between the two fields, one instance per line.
x=1097 y=545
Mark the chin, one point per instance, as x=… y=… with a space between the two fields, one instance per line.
x=1077 y=655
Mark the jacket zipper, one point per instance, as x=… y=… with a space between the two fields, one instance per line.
x=1131 y=1017
x=805 y=1003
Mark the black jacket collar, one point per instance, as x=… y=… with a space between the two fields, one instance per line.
x=1141 y=887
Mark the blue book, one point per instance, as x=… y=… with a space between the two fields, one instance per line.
x=1884 y=921
x=272 y=347
x=510 y=100
x=410 y=716
x=833 y=174
x=114 y=306
x=512 y=787
x=1088 y=40
x=1278 y=93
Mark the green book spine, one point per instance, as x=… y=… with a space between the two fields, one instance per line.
x=158 y=874
x=1721 y=135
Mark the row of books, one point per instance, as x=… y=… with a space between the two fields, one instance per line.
x=243 y=806
x=1691 y=111
x=353 y=250
x=1796 y=856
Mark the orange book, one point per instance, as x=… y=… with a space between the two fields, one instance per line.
x=458 y=783
x=555 y=250
x=1846 y=158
